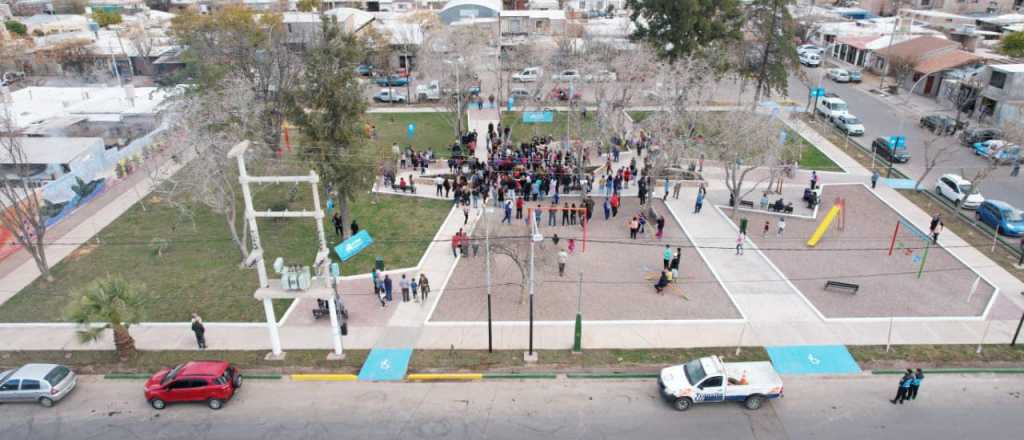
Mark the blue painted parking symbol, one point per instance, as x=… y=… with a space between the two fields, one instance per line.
x=813 y=359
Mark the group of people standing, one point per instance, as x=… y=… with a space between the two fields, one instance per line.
x=908 y=386
x=412 y=288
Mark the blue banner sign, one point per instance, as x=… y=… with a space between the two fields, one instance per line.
x=538 y=117
x=353 y=245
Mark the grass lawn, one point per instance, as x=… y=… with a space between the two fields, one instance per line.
x=199 y=271
x=638 y=116
x=432 y=131
x=522 y=131
x=811 y=158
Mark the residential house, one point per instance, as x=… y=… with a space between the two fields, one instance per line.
x=966 y=6
x=530 y=23
x=1002 y=97
x=47 y=24
x=930 y=56
x=46 y=159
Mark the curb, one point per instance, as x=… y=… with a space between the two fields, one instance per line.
x=612 y=375
x=443 y=377
x=323 y=377
x=957 y=371
x=499 y=376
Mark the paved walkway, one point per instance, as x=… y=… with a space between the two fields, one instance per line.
x=478 y=120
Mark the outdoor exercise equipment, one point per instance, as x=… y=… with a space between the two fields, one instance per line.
x=838 y=210
x=909 y=251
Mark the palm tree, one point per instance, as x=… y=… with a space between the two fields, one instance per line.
x=112 y=301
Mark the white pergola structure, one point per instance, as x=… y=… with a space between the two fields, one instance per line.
x=322 y=286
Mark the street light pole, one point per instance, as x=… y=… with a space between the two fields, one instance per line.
x=531 y=293
x=487 y=268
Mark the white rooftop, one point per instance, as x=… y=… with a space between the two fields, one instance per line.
x=1009 y=68
x=35 y=105
x=550 y=14
x=54 y=150
x=870 y=26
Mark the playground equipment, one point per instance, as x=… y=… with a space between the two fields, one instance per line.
x=838 y=210
x=908 y=250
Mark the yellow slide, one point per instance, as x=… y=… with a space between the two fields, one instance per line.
x=832 y=213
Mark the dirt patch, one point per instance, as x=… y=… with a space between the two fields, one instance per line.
x=82 y=251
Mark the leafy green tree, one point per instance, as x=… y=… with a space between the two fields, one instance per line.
x=108 y=303
x=773 y=52
x=328 y=108
x=106 y=18
x=308 y=5
x=16 y=27
x=680 y=28
x=1012 y=45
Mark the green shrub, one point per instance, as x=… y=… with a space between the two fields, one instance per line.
x=16 y=27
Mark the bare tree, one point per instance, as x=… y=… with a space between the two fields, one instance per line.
x=937 y=150
x=204 y=129
x=517 y=250
x=21 y=204
x=965 y=96
x=455 y=56
x=900 y=68
x=742 y=142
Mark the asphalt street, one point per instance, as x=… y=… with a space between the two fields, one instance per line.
x=948 y=407
x=888 y=116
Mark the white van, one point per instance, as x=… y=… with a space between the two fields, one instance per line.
x=831 y=106
x=810 y=59
x=529 y=74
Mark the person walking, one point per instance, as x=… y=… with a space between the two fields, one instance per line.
x=660 y=222
x=563 y=257
x=615 y=204
x=552 y=211
x=387 y=288
x=915 y=383
x=508 y=212
x=455 y=243
x=519 y=207
x=1015 y=171
x=674 y=264
x=676 y=188
x=439 y=185
x=634 y=227
x=565 y=213
x=404 y=285
x=199 y=330
x=339 y=227
x=607 y=208
x=935 y=227
x=354 y=227
x=572 y=214
x=665 y=197
x=814 y=180
x=700 y=202
x=904 y=387
x=571 y=244
x=874 y=178
x=666 y=258
x=465 y=215
x=782 y=227
x=767 y=226
x=424 y=287
x=739 y=243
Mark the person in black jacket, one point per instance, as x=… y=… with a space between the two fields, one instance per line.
x=199 y=330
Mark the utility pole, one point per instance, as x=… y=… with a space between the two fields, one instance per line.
x=577 y=346
x=1017 y=333
x=530 y=354
x=892 y=38
x=487 y=269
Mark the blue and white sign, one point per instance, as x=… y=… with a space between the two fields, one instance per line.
x=897 y=142
x=385 y=364
x=817 y=92
x=353 y=245
x=411 y=129
x=538 y=117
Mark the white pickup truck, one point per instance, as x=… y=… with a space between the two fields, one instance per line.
x=711 y=380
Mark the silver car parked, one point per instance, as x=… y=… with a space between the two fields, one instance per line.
x=45 y=384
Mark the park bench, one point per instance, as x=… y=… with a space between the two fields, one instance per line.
x=853 y=288
x=746 y=204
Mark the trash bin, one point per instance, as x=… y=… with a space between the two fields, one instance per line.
x=379 y=263
x=743 y=225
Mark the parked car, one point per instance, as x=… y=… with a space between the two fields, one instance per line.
x=839 y=75
x=855 y=76
x=529 y=74
x=810 y=59
x=44 y=384
x=562 y=94
x=566 y=76
x=389 y=95
x=521 y=94
x=832 y=106
x=810 y=48
x=998 y=150
x=601 y=76
x=711 y=380
x=430 y=91
x=392 y=81
x=849 y=124
x=972 y=136
x=213 y=382
x=959 y=191
x=898 y=155
x=364 y=69
x=940 y=124
x=1001 y=216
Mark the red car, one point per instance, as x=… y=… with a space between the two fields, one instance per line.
x=213 y=382
x=562 y=94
